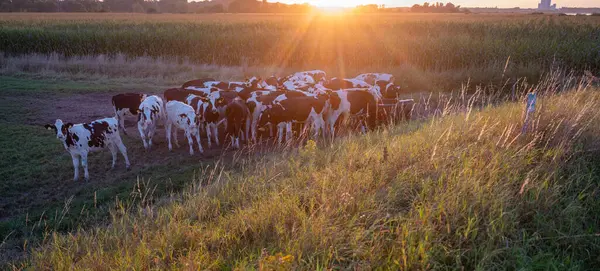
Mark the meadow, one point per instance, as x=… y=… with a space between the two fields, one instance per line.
x=459 y=187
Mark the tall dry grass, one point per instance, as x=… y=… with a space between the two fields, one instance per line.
x=342 y=45
x=463 y=190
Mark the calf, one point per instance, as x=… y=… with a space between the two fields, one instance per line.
x=80 y=139
x=237 y=115
x=183 y=117
x=208 y=115
x=307 y=110
x=258 y=102
x=351 y=102
x=372 y=78
x=197 y=82
x=151 y=111
x=126 y=104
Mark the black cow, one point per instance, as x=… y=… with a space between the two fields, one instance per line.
x=237 y=115
x=126 y=104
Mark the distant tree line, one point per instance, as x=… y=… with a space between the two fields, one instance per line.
x=436 y=8
x=426 y=7
x=151 y=6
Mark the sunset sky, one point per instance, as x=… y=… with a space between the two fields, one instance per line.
x=465 y=3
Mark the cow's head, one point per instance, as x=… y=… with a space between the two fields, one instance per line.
x=146 y=115
x=61 y=129
x=206 y=110
x=192 y=121
x=265 y=116
x=392 y=90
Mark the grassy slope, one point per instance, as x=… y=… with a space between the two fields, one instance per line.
x=464 y=191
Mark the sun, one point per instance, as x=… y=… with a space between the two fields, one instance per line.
x=332 y=3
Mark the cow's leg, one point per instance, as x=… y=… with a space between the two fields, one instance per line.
x=215 y=132
x=151 y=134
x=175 y=137
x=143 y=136
x=168 y=128
x=84 y=163
x=190 y=141
x=247 y=128
x=121 y=119
x=123 y=151
x=113 y=151
x=289 y=132
x=199 y=141
x=280 y=130
x=75 y=159
x=208 y=135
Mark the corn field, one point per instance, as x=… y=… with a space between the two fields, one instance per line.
x=360 y=42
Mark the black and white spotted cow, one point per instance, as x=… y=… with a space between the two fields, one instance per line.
x=238 y=121
x=305 y=110
x=197 y=82
x=344 y=104
x=126 y=104
x=181 y=116
x=258 y=102
x=372 y=78
x=150 y=113
x=386 y=90
x=208 y=116
x=80 y=139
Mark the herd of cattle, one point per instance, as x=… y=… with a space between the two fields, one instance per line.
x=243 y=108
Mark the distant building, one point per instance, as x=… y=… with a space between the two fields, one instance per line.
x=546 y=5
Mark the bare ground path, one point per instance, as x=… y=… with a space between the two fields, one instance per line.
x=37 y=192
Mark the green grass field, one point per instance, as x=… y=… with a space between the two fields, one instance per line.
x=459 y=187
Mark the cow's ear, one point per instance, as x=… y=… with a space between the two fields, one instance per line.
x=68 y=125
x=50 y=127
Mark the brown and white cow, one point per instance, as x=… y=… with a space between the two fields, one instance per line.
x=347 y=103
x=182 y=117
x=259 y=101
x=126 y=104
x=150 y=113
x=207 y=115
x=304 y=110
x=81 y=139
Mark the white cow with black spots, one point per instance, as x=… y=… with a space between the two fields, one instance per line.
x=151 y=111
x=183 y=117
x=80 y=139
